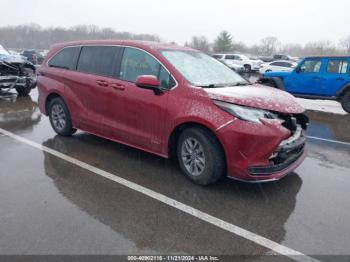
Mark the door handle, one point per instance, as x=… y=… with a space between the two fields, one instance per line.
x=316 y=78
x=339 y=79
x=102 y=82
x=118 y=86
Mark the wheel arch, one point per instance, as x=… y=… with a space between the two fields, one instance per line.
x=49 y=99
x=343 y=90
x=175 y=134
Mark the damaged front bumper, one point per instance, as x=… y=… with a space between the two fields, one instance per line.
x=9 y=82
x=17 y=75
x=286 y=154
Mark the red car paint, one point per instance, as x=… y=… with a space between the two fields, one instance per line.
x=146 y=121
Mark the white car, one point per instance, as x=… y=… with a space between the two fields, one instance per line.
x=235 y=67
x=277 y=66
x=240 y=60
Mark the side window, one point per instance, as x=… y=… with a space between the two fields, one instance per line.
x=98 y=60
x=311 y=66
x=65 y=58
x=336 y=66
x=136 y=62
x=230 y=57
x=276 y=64
x=286 y=64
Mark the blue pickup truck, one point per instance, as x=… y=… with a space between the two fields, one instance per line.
x=317 y=78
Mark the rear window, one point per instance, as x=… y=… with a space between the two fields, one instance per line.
x=337 y=66
x=230 y=57
x=99 y=60
x=65 y=58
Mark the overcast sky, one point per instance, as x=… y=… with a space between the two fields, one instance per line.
x=297 y=21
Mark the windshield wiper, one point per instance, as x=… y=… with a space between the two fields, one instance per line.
x=209 y=86
x=241 y=84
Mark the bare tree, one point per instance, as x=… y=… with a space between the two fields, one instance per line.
x=324 y=47
x=269 y=45
x=292 y=49
x=345 y=43
x=200 y=43
x=34 y=36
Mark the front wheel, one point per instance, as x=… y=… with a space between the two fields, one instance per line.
x=247 y=68
x=200 y=156
x=60 y=117
x=23 y=91
x=345 y=101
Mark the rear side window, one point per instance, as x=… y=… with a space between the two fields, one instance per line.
x=337 y=66
x=65 y=58
x=230 y=57
x=311 y=66
x=277 y=64
x=136 y=62
x=99 y=60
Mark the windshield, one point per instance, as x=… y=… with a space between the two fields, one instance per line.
x=202 y=70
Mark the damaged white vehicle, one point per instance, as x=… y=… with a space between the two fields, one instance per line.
x=16 y=73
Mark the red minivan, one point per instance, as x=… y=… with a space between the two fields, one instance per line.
x=173 y=101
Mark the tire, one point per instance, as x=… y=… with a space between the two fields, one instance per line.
x=200 y=156
x=345 y=101
x=23 y=91
x=60 y=118
x=247 y=68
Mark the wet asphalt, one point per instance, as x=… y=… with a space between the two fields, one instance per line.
x=49 y=206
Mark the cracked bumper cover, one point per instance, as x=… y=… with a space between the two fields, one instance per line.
x=287 y=154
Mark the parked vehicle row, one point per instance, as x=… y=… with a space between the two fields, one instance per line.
x=276 y=57
x=277 y=66
x=317 y=78
x=173 y=101
x=239 y=62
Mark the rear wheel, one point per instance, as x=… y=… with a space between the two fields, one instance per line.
x=345 y=101
x=60 y=117
x=247 y=68
x=200 y=156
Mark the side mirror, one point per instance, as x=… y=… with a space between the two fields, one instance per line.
x=297 y=70
x=149 y=82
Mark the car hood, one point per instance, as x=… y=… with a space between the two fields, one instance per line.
x=257 y=96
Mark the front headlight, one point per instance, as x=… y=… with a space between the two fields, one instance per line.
x=245 y=113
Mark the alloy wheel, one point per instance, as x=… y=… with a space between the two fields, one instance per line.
x=193 y=156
